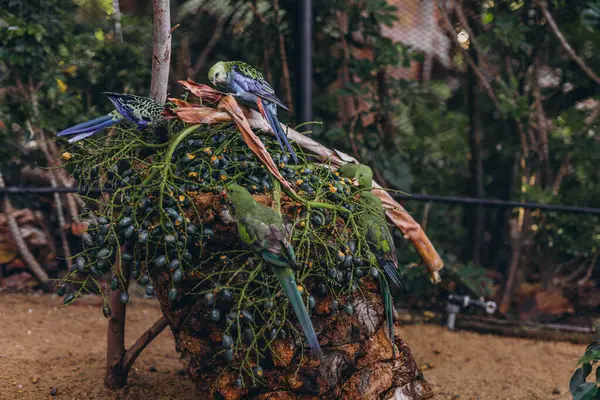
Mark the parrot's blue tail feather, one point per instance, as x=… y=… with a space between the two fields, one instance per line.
x=279 y=133
x=83 y=126
x=391 y=270
x=273 y=125
x=283 y=136
x=81 y=136
x=388 y=310
x=88 y=128
x=287 y=280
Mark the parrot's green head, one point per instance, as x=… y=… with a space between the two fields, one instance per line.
x=237 y=195
x=361 y=174
x=371 y=200
x=218 y=74
x=364 y=176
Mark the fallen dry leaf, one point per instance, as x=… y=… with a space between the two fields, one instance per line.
x=231 y=106
x=24 y=280
x=181 y=103
x=168 y=113
x=552 y=302
x=78 y=228
x=8 y=252
x=34 y=236
x=412 y=231
x=17 y=263
x=201 y=115
x=544 y=303
x=527 y=289
x=204 y=92
x=23 y=216
x=426 y=366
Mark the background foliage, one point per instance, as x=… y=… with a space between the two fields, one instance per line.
x=443 y=135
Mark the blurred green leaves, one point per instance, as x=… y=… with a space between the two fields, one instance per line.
x=416 y=134
x=590 y=17
x=579 y=388
x=56 y=57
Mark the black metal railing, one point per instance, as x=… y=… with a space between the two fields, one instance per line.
x=495 y=203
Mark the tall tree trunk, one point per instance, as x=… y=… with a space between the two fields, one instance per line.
x=161 y=51
x=476 y=215
x=116 y=369
x=115 y=376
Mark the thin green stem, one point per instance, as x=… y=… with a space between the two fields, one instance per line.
x=315 y=204
x=143 y=145
x=276 y=195
x=167 y=167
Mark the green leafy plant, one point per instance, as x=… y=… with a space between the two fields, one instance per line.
x=578 y=386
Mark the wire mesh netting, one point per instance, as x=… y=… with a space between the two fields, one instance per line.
x=418 y=27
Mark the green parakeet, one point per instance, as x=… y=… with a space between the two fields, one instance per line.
x=388 y=308
x=249 y=85
x=360 y=173
x=373 y=221
x=378 y=236
x=262 y=229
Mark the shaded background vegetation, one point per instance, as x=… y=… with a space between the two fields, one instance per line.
x=502 y=111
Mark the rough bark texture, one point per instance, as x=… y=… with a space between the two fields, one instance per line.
x=161 y=51
x=357 y=362
x=116 y=376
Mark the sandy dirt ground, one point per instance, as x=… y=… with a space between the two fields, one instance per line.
x=45 y=348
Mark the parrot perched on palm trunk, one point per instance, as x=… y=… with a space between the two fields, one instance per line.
x=262 y=229
x=378 y=236
x=377 y=231
x=388 y=309
x=142 y=111
x=249 y=86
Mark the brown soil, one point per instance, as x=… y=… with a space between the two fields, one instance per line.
x=43 y=346
x=65 y=348
x=476 y=366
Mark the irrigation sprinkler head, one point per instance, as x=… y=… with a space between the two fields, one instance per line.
x=457 y=302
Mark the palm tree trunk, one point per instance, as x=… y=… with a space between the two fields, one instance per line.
x=358 y=362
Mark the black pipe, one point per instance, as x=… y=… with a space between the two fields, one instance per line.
x=50 y=190
x=497 y=203
x=304 y=62
x=415 y=197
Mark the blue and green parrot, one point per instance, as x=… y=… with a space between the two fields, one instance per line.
x=377 y=234
x=262 y=229
x=251 y=88
x=142 y=111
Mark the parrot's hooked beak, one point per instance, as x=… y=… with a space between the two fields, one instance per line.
x=355 y=182
x=224 y=193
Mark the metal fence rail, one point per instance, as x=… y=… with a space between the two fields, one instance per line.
x=495 y=203
x=498 y=203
